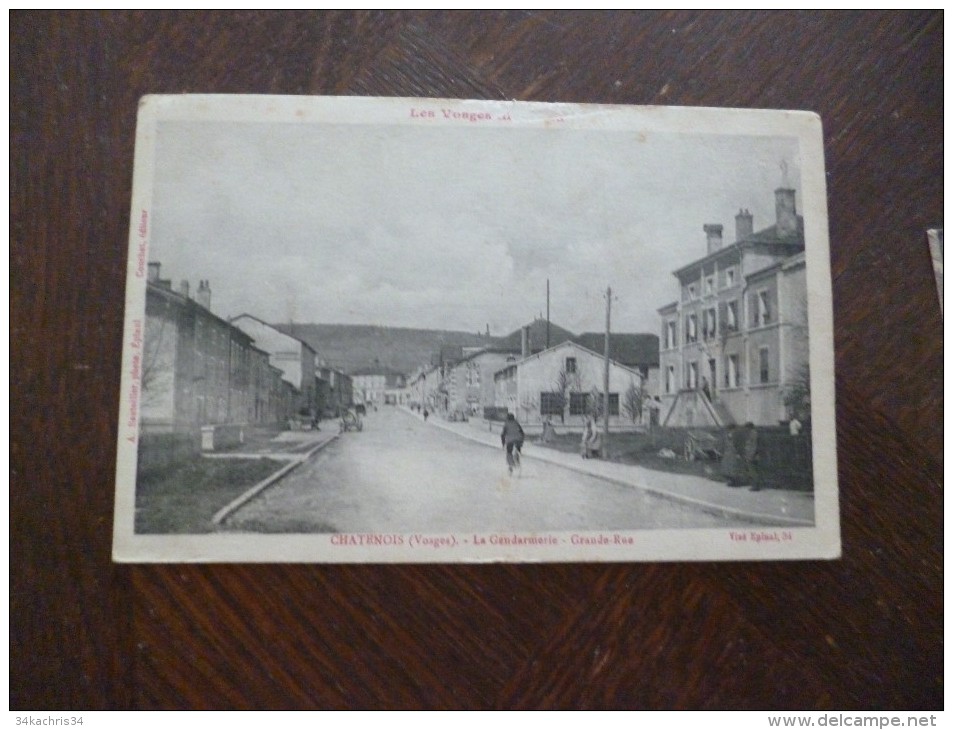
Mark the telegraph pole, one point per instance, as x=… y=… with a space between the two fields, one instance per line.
x=605 y=381
x=547 y=314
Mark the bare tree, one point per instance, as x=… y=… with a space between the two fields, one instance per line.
x=564 y=384
x=633 y=401
x=797 y=393
x=156 y=372
x=595 y=404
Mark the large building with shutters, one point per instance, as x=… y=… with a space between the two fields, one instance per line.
x=735 y=342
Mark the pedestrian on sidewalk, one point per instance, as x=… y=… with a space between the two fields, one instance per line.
x=512 y=438
x=426 y=413
x=732 y=466
x=751 y=456
x=591 y=444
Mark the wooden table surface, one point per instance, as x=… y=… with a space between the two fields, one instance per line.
x=861 y=632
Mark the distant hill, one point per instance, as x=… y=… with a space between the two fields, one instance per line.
x=352 y=346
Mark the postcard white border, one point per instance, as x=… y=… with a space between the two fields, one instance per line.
x=819 y=542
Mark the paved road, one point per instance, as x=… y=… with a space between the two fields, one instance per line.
x=402 y=475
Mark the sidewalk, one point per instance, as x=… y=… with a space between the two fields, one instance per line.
x=772 y=506
x=285 y=445
x=294 y=447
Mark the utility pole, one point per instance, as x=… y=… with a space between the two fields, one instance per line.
x=547 y=314
x=605 y=381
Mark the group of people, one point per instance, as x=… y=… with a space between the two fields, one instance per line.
x=512 y=438
x=739 y=460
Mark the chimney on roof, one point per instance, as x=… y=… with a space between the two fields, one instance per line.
x=744 y=224
x=204 y=294
x=184 y=288
x=154 y=267
x=524 y=341
x=785 y=211
x=713 y=231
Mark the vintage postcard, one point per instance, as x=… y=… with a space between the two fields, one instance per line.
x=428 y=330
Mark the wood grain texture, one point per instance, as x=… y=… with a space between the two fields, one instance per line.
x=863 y=632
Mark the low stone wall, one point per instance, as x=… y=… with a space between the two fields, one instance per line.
x=535 y=428
x=222 y=436
x=162 y=449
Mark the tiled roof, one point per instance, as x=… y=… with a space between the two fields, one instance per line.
x=537 y=337
x=628 y=349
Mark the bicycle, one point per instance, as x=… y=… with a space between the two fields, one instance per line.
x=513 y=460
x=512 y=439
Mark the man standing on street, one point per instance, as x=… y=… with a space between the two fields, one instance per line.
x=751 y=455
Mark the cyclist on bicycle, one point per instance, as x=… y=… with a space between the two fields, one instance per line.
x=512 y=438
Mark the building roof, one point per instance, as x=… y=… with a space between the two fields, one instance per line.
x=567 y=343
x=634 y=350
x=513 y=342
x=792 y=262
x=785 y=244
x=771 y=235
x=164 y=289
x=484 y=351
x=245 y=315
x=376 y=370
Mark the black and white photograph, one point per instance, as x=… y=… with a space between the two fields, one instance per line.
x=424 y=330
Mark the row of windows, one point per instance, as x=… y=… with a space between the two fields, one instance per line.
x=210 y=334
x=710 y=286
x=471 y=376
x=693 y=380
x=760 y=316
x=552 y=404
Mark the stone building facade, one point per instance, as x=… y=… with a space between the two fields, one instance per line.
x=736 y=339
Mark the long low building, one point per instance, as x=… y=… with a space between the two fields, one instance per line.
x=199 y=370
x=565 y=383
x=465 y=382
x=295 y=359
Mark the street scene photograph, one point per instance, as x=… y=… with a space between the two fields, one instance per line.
x=426 y=323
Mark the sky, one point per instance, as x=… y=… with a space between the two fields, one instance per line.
x=455 y=227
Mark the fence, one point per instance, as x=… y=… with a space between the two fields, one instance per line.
x=784 y=461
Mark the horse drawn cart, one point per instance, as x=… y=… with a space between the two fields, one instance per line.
x=351 y=421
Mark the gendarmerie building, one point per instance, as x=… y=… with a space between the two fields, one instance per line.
x=734 y=346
